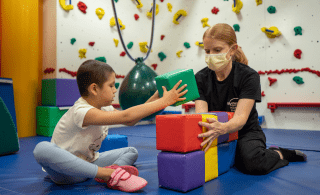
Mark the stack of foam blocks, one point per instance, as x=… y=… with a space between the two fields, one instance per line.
x=182 y=163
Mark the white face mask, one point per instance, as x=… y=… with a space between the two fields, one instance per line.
x=217 y=62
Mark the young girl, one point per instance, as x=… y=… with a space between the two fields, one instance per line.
x=228 y=84
x=72 y=155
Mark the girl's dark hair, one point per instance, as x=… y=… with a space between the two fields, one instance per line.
x=92 y=71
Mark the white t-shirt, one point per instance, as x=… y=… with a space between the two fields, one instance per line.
x=84 y=142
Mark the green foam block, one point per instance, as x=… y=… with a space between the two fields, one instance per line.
x=48 y=116
x=45 y=131
x=171 y=78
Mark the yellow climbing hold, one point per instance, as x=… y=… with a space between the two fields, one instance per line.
x=144 y=47
x=169 y=7
x=271 y=32
x=100 y=13
x=204 y=22
x=258 y=2
x=113 y=23
x=138 y=3
x=82 y=53
x=149 y=13
x=177 y=15
x=236 y=8
x=64 y=6
x=179 y=53
x=116 y=41
x=200 y=44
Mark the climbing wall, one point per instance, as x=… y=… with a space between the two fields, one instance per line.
x=263 y=53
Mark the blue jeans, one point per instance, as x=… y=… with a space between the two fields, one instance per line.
x=66 y=168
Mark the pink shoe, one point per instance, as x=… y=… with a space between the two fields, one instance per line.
x=130 y=169
x=124 y=181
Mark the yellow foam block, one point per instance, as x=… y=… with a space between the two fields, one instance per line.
x=204 y=129
x=211 y=163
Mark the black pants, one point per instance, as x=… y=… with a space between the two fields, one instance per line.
x=253 y=158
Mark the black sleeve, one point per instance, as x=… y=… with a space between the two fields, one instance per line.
x=251 y=88
x=201 y=87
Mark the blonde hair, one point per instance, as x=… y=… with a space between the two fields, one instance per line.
x=225 y=32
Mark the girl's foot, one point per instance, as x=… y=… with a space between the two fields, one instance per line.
x=130 y=169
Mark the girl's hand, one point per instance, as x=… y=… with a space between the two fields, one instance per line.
x=174 y=94
x=215 y=129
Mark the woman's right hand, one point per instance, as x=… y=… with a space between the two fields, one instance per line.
x=174 y=94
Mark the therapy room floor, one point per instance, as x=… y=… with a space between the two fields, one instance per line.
x=20 y=173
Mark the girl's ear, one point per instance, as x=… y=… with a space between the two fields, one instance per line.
x=93 y=89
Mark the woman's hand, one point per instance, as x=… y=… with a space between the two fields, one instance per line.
x=215 y=129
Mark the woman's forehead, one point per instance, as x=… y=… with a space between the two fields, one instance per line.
x=211 y=42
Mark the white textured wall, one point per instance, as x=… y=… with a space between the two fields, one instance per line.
x=263 y=53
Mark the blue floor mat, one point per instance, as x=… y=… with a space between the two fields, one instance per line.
x=20 y=173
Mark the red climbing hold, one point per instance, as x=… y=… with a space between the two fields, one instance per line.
x=154 y=66
x=82 y=7
x=297 y=53
x=136 y=16
x=262 y=94
x=119 y=76
x=162 y=36
x=73 y=74
x=161 y=0
x=49 y=70
x=215 y=10
x=271 y=80
x=91 y=43
x=123 y=53
x=261 y=72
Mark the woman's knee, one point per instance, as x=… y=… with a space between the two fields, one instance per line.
x=252 y=165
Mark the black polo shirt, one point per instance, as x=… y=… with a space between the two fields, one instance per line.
x=243 y=82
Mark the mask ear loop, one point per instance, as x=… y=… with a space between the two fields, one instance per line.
x=228 y=52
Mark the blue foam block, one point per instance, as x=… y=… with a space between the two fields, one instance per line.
x=226 y=156
x=114 y=142
x=170 y=112
x=6 y=93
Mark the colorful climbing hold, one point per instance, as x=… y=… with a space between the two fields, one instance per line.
x=186 y=44
x=72 y=73
x=162 y=56
x=116 y=41
x=117 y=85
x=113 y=23
x=64 y=6
x=200 y=44
x=154 y=66
x=272 y=32
x=204 y=22
x=130 y=45
x=143 y=47
x=136 y=16
x=236 y=27
x=271 y=80
x=138 y=4
x=91 y=43
x=262 y=94
x=161 y=1
x=116 y=1
x=258 y=2
x=101 y=59
x=298 y=30
x=178 y=15
x=123 y=53
x=179 y=53
x=82 y=7
x=169 y=6
x=162 y=36
x=49 y=70
x=82 y=53
x=215 y=10
x=297 y=53
x=149 y=13
x=73 y=40
x=100 y=13
x=237 y=6
x=298 y=80
x=271 y=9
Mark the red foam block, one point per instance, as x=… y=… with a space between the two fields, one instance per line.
x=178 y=132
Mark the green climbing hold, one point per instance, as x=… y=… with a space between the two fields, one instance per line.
x=271 y=9
x=116 y=1
x=236 y=27
x=117 y=85
x=101 y=59
x=73 y=40
x=129 y=46
x=186 y=44
x=298 y=80
x=298 y=30
x=162 y=56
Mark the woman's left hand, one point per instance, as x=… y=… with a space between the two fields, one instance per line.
x=215 y=129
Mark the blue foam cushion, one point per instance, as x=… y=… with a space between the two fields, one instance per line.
x=114 y=142
x=226 y=156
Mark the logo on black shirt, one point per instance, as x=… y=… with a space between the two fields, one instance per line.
x=233 y=104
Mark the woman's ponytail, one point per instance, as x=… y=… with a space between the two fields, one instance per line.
x=239 y=56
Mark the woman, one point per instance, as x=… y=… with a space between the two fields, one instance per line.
x=228 y=84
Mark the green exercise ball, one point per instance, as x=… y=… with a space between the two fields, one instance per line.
x=138 y=86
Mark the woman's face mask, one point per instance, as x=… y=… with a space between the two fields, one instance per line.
x=217 y=62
